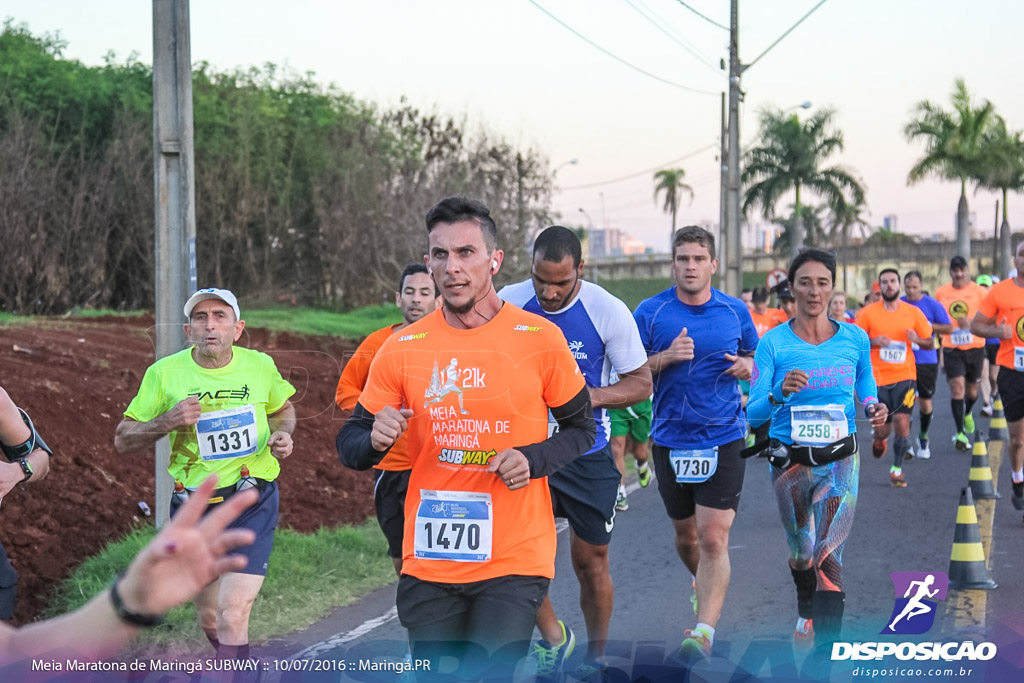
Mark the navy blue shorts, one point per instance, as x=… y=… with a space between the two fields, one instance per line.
x=584 y=493
x=721 y=491
x=389 y=492
x=261 y=517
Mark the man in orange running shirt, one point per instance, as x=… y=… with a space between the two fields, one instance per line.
x=893 y=326
x=471 y=384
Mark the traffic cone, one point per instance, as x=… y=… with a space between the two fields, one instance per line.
x=967 y=561
x=980 y=478
x=997 y=430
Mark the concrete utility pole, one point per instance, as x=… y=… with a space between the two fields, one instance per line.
x=734 y=281
x=174 y=192
x=723 y=216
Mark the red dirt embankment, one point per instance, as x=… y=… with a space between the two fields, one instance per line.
x=75 y=377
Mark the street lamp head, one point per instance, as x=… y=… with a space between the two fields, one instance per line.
x=806 y=105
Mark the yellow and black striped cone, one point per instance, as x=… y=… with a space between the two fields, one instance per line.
x=967 y=561
x=981 y=473
x=997 y=430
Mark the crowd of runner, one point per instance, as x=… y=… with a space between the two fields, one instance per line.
x=488 y=413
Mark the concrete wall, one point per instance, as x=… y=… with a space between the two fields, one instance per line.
x=862 y=264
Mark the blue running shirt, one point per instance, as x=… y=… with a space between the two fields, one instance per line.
x=936 y=315
x=697 y=405
x=836 y=367
x=601 y=334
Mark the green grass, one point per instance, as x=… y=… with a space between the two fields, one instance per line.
x=352 y=325
x=78 y=312
x=310 y=574
x=633 y=291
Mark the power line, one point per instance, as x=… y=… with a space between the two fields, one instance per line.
x=675 y=39
x=620 y=59
x=640 y=173
x=702 y=16
x=779 y=40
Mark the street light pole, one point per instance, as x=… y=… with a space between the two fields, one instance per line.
x=724 y=200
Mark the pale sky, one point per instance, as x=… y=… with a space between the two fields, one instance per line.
x=509 y=67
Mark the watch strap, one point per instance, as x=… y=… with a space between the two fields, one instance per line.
x=126 y=615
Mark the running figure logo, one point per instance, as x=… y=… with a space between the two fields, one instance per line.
x=914 y=612
x=437 y=391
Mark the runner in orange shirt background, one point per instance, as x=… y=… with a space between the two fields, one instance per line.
x=893 y=326
x=764 y=318
x=416 y=297
x=1001 y=315
x=963 y=353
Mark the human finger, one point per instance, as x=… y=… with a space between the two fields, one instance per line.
x=189 y=513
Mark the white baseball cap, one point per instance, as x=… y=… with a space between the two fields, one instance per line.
x=224 y=295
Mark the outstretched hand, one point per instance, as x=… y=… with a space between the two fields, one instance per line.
x=189 y=552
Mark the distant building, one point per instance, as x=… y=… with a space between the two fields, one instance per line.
x=891 y=223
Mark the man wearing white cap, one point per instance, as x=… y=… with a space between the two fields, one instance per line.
x=226 y=411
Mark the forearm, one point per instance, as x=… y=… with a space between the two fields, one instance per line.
x=984 y=329
x=353 y=443
x=659 y=361
x=943 y=329
x=40 y=462
x=93 y=632
x=575 y=436
x=134 y=436
x=283 y=420
x=628 y=391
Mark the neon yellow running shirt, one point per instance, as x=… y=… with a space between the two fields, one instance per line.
x=232 y=430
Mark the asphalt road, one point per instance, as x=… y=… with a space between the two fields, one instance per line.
x=909 y=529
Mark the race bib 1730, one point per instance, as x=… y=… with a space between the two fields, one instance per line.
x=694 y=466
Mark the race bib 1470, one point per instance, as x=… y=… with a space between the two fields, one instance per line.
x=454 y=525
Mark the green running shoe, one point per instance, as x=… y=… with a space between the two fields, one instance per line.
x=643 y=473
x=961 y=442
x=968 y=424
x=549 y=658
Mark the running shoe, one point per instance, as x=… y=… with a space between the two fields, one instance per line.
x=621 y=504
x=897 y=480
x=909 y=455
x=923 y=452
x=591 y=672
x=1018 y=495
x=878 y=448
x=803 y=637
x=986 y=410
x=549 y=658
x=696 y=644
x=961 y=442
x=968 y=424
x=643 y=473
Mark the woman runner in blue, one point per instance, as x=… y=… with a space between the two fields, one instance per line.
x=804 y=378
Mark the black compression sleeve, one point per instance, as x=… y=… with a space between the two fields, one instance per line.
x=575 y=436
x=355 y=450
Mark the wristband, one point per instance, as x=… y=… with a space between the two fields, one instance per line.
x=126 y=615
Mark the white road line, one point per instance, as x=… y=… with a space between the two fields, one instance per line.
x=340 y=639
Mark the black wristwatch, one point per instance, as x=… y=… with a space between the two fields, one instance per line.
x=126 y=615
x=26 y=468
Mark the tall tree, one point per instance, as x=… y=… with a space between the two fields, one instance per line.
x=842 y=220
x=670 y=182
x=953 y=148
x=791 y=156
x=1002 y=169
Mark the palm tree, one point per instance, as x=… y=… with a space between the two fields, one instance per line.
x=953 y=144
x=1002 y=169
x=790 y=157
x=811 y=217
x=670 y=181
x=844 y=218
